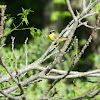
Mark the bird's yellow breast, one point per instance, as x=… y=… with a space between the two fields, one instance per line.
x=52 y=36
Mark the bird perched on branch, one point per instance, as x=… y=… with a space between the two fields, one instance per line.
x=53 y=35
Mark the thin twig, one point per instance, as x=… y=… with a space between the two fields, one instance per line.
x=87 y=15
x=94 y=86
x=70 y=9
x=85 y=24
x=13 y=38
x=3 y=17
x=74 y=86
x=90 y=2
x=2 y=46
x=26 y=51
x=26 y=57
x=76 y=47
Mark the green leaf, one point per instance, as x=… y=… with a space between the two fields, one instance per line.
x=39 y=32
x=35 y=31
x=9 y=22
x=32 y=31
x=24 y=15
x=25 y=20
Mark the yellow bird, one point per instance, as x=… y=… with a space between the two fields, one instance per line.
x=53 y=35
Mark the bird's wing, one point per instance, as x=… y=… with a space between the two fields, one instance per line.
x=56 y=35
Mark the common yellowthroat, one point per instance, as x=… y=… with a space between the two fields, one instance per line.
x=53 y=35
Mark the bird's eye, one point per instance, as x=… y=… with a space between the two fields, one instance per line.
x=51 y=32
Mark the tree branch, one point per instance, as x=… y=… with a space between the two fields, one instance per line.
x=70 y=9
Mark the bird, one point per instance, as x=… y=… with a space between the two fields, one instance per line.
x=53 y=35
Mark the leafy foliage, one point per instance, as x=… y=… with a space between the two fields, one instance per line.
x=35 y=32
x=24 y=15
